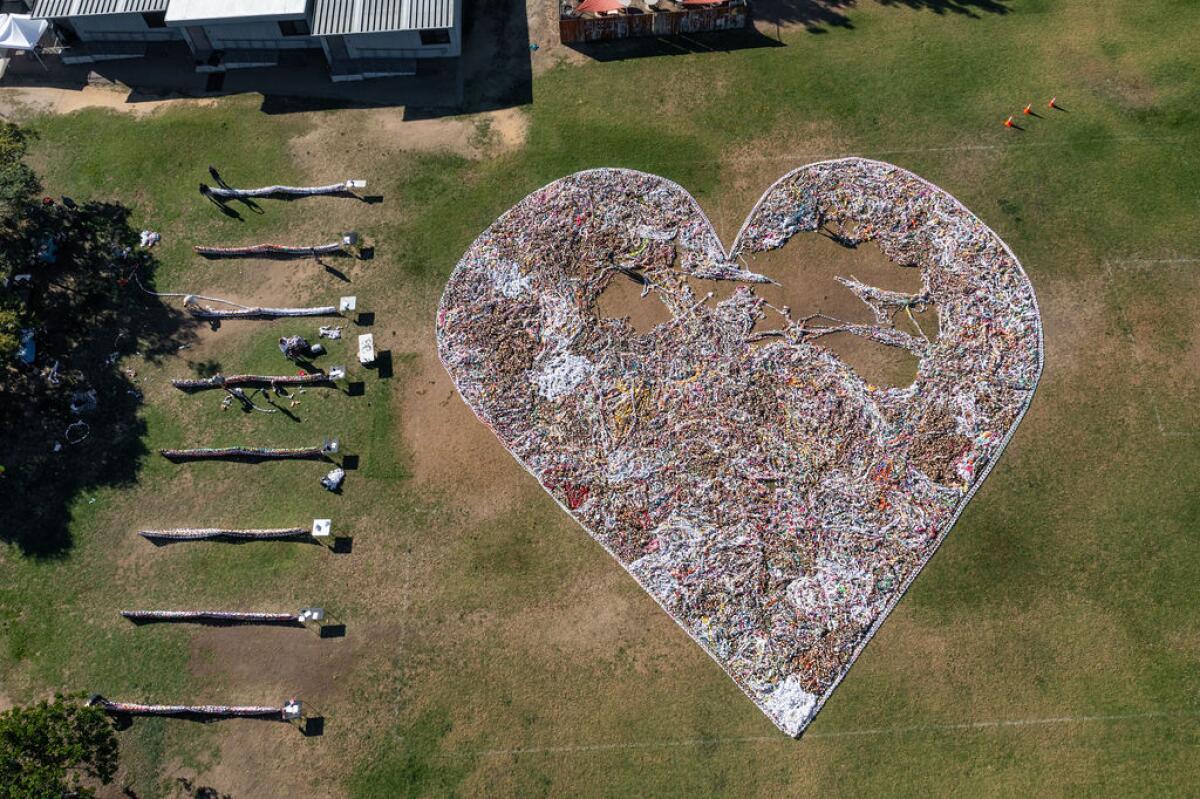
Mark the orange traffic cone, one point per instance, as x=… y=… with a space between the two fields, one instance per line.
x=1008 y=123
x=1053 y=103
x=1028 y=111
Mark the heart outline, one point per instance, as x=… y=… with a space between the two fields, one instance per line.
x=730 y=254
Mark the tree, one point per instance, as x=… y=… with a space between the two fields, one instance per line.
x=71 y=278
x=52 y=749
x=17 y=181
x=18 y=185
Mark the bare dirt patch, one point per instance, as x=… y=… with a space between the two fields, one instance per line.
x=273 y=661
x=805 y=269
x=352 y=136
x=602 y=613
x=260 y=758
x=26 y=102
x=543 y=31
x=623 y=298
x=451 y=450
x=273 y=664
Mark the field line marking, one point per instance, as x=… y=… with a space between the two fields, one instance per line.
x=859 y=151
x=1182 y=260
x=958 y=148
x=868 y=732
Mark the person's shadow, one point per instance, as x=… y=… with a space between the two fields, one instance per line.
x=223 y=203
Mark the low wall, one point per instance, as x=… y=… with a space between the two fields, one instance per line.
x=665 y=23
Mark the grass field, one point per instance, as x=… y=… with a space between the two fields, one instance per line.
x=1052 y=647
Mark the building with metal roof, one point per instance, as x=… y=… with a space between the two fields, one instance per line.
x=50 y=9
x=359 y=38
x=340 y=17
x=229 y=11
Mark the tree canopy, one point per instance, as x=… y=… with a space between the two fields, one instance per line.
x=17 y=185
x=54 y=749
x=70 y=310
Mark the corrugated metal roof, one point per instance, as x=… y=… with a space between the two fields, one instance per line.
x=85 y=8
x=424 y=14
x=332 y=17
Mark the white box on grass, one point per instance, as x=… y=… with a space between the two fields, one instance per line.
x=366 y=349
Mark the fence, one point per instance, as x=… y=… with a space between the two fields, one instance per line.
x=663 y=23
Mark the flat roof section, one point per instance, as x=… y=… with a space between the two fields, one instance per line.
x=337 y=17
x=193 y=11
x=52 y=9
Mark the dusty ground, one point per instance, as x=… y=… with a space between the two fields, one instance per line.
x=30 y=101
x=543 y=31
x=356 y=134
x=451 y=450
x=384 y=130
x=278 y=662
x=804 y=271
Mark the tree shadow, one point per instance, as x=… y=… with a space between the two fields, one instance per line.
x=205 y=368
x=819 y=16
x=969 y=8
x=89 y=315
x=185 y=788
x=191 y=789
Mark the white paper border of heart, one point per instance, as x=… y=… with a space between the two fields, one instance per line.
x=793 y=727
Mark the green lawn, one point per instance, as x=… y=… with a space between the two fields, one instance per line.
x=491 y=647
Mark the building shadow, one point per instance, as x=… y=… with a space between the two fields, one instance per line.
x=494 y=72
x=497 y=65
x=300 y=83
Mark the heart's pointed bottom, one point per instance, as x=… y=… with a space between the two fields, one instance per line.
x=772 y=502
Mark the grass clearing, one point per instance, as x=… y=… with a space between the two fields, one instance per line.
x=481 y=621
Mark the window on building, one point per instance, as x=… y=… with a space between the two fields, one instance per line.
x=293 y=27
x=155 y=19
x=435 y=36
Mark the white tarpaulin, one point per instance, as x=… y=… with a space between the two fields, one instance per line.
x=19 y=32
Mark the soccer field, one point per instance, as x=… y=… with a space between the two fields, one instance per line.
x=1051 y=647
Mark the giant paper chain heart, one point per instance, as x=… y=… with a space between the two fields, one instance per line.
x=775 y=504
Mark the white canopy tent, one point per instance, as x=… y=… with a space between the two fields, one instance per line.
x=19 y=32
